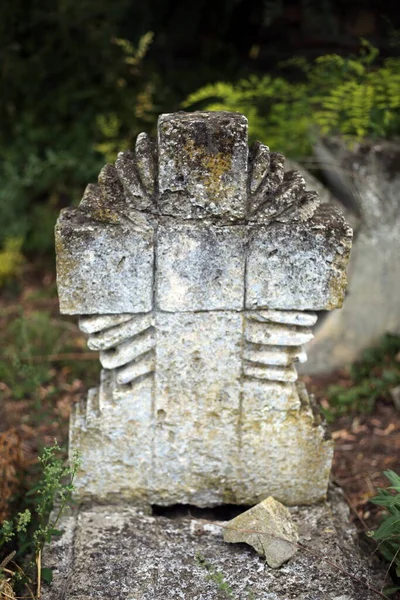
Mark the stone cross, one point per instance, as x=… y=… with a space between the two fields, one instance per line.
x=195 y=265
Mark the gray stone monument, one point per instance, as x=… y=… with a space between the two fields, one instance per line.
x=195 y=266
x=370 y=173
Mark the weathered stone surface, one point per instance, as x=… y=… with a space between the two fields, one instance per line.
x=269 y=528
x=273 y=343
x=200 y=267
x=137 y=172
x=325 y=195
x=104 y=268
x=112 y=336
x=276 y=195
x=266 y=177
x=60 y=559
x=203 y=165
x=121 y=553
x=370 y=174
x=201 y=401
x=114 y=430
x=292 y=438
x=193 y=265
x=288 y=317
x=271 y=373
x=98 y=323
x=180 y=421
x=260 y=165
x=274 y=334
x=128 y=351
x=286 y=195
x=299 y=265
x=279 y=356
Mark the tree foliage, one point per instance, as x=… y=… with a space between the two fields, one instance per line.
x=65 y=72
x=79 y=80
x=352 y=96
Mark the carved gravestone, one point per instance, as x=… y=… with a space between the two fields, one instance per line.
x=195 y=266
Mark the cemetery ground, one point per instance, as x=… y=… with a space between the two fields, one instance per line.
x=45 y=367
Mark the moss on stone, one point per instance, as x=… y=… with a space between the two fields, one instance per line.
x=214 y=165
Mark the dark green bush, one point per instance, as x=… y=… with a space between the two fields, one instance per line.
x=354 y=96
x=63 y=69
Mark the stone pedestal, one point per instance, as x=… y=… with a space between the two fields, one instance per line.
x=120 y=552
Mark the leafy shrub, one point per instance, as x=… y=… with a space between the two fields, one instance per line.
x=63 y=68
x=388 y=533
x=352 y=96
x=30 y=529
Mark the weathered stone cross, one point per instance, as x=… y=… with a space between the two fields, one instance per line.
x=194 y=265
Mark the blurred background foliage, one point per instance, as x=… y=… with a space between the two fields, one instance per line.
x=352 y=96
x=79 y=81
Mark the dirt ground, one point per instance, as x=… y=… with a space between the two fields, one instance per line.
x=365 y=446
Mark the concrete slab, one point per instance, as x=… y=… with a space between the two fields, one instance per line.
x=120 y=552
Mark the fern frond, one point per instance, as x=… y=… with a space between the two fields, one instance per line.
x=350 y=96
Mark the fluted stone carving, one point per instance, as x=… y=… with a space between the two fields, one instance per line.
x=195 y=266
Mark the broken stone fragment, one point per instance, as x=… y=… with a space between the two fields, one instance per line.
x=269 y=528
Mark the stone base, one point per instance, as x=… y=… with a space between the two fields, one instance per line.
x=120 y=552
x=225 y=443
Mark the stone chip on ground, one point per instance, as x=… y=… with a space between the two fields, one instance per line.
x=269 y=528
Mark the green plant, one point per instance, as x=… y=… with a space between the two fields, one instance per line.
x=272 y=106
x=31 y=529
x=215 y=576
x=353 y=96
x=50 y=143
x=388 y=533
x=370 y=378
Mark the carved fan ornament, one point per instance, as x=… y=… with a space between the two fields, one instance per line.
x=131 y=185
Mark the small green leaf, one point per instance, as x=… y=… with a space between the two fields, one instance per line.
x=394 y=479
x=56 y=532
x=47 y=574
x=391 y=590
x=388 y=500
x=23 y=547
x=389 y=527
